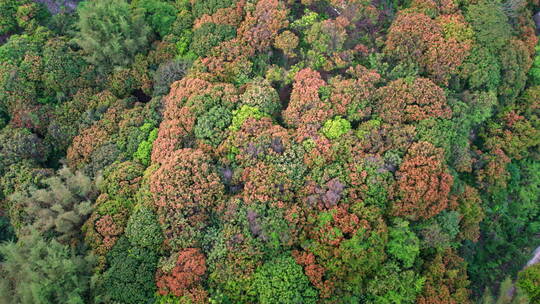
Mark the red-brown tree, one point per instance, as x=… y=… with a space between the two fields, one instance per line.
x=423 y=183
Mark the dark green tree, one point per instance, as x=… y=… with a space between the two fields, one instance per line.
x=130 y=276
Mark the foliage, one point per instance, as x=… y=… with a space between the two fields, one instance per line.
x=336 y=127
x=35 y=270
x=185 y=277
x=245 y=112
x=122 y=180
x=512 y=229
x=209 y=35
x=209 y=7
x=446 y=280
x=8 y=23
x=6 y=230
x=393 y=285
x=490 y=24
x=406 y=100
x=271 y=151
x=508 y=294
x=168 y=73
x=185 y=189
x=423 y=184
x=110 y=33
x=130 y=276
x=19 y=143
x=529 y=281
x=209 y=127
x=281 y=281
x=144 y=150
x=260 y=94
x=61 y=207
x=158 y=14
x=534 y=72
x=403 y=244
x=143 y=228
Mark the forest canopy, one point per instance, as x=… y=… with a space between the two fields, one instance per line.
x=269 y=151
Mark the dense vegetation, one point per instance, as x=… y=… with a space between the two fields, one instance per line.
x=269 y=151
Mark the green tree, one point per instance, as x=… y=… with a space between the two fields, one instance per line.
x=130 y=276
x=403 y=244
x=392 y=285
x=281 y=280
x=8 y=20
x=143 y=228
x=508 y=294
x=534 y=72
x=336 y=127
x=210 y=35
x=490 y=24
x=64 y=71
x=529 y=281
x=111 y=33
x=37 y=271
x=160 y=15
x=512 y=219
x=144 y=150
x=209 y=6
x=62 y=207
x=211 y=125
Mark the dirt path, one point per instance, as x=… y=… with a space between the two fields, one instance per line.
x=535 y=259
